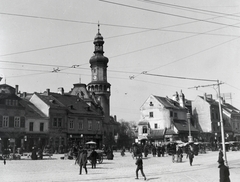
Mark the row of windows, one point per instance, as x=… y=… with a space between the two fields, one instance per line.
x=12 y=121
x=10 y=102
x=80 y=124
x=31 y=126
x=171 y=114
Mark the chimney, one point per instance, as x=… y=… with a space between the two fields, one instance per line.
x=24 y=94
x=16 y=89
x=209 y=96
x=182 y=99
x=205 y=96
x=115 y=118
x=48 y=91
x=61 y=90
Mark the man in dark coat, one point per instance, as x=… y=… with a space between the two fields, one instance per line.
x=93 y=157
x=190 y=155
x=82 y=161
x=139 y=164
x=223 y=171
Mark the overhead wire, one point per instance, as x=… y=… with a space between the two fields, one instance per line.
x=225 y=15
x=76 y=21
x=169 y=14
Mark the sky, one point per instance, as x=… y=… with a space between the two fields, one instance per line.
x=47 y=44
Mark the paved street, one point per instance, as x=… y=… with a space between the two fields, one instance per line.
x=204 y=169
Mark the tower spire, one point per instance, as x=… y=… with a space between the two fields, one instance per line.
x=98 y=27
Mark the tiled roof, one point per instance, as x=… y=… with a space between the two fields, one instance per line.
x=168 y=103
x=50 y=100
x=231 y=109
x=31 y=110
x=183 y=125
x=228 y=107
x=74 y=104
x=170 y=132
x=156 y=134
x=143 y=123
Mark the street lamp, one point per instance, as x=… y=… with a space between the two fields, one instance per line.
x=190 y=138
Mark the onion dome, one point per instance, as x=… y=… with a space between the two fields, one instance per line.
x=98 y=56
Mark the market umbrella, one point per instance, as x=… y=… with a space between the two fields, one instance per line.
x=91 y=142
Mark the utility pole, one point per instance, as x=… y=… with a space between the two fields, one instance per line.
x=221 y=122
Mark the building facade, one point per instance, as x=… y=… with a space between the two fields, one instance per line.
x=207 y=118
x=165 y=119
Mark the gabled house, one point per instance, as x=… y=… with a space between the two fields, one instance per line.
x=12 y=118
x=84 y=123
x=164 y=119
x=206 y=117
x=71 y=121
x=36 y=126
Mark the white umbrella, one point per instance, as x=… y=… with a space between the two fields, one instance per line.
x=91 y=142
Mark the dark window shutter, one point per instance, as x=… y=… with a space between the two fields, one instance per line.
x=22 y=123
x=11 y=121
x=1 y=117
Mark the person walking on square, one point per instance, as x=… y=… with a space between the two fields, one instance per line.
x=139 y=164
x=223 y=171
x=190 y=155
x=82 y=161
x=94 y=156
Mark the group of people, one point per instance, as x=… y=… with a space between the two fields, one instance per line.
x=82 y=158
x=158 y=150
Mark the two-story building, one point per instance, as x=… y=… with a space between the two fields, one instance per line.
x=12 y=118
x=165 y=119
x=206 y=116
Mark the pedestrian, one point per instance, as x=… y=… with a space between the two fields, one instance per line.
x=93 y=157
x=82 y=161
x=179 y=154
x=139 y=164
x=190 y=155
x=223 y=171
x=163 y=150
x=4 y=161
x=220 y=154
x=154 y=151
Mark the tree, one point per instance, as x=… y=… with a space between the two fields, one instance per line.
x=126 y=134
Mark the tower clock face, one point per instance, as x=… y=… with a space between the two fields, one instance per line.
x=94 y=77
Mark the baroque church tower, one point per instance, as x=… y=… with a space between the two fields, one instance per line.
x=99 y=87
